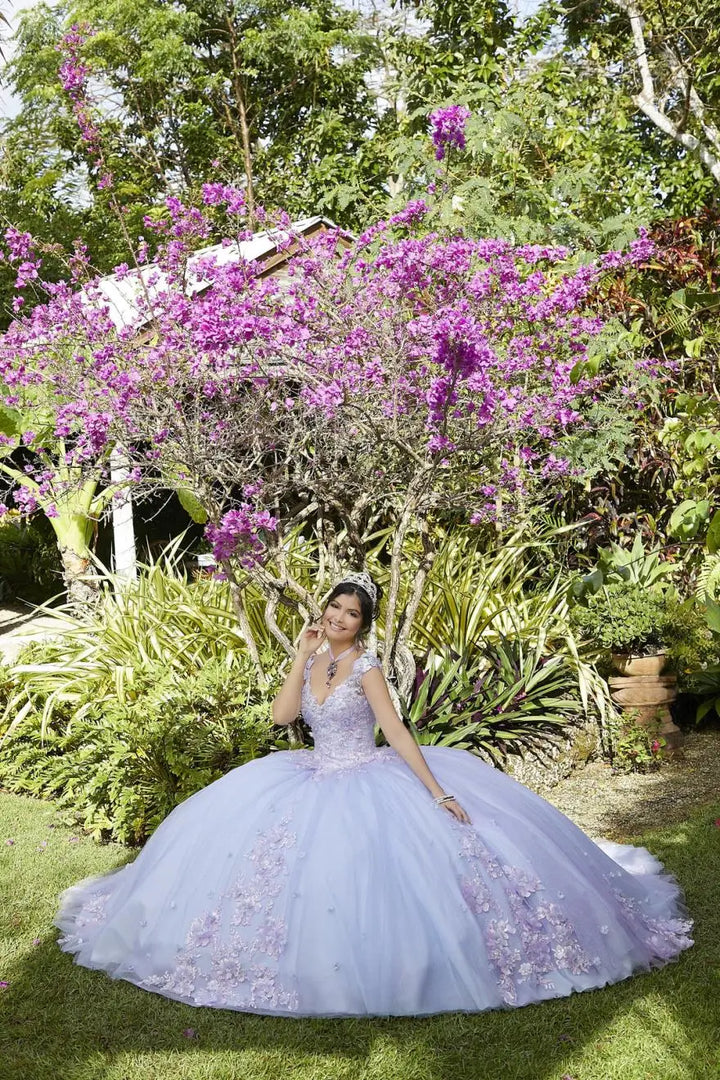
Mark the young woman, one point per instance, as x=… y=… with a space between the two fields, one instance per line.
x=353 y=880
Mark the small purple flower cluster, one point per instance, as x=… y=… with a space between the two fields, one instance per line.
x=447 y=129
x=239 y=533
x=224 y=195
x=74 y=76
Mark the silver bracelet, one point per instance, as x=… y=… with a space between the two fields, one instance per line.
x=441 y=799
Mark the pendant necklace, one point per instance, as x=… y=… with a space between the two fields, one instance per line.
x=334 y=661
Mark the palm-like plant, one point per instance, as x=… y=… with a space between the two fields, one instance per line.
x=503 y=669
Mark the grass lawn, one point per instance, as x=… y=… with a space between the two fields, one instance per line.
x=61 y=1022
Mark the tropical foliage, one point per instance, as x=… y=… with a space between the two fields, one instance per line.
x=499 y=395
x=506 y=698
x=114 y=652
x=500 y=669
x=117 y=766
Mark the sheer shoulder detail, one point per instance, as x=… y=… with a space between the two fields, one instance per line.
x=366 y=662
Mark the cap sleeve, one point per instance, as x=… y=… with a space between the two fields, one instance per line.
x=366 y=662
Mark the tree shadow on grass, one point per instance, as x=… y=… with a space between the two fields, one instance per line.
x=62 y=1022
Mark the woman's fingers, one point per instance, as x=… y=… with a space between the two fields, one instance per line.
x=457 y=811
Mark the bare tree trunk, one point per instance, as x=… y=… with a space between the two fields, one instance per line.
x=649 y=100
x=394 y=587
x=238 y=604
x=411 y=609
x=272 y=624
x=78 y=574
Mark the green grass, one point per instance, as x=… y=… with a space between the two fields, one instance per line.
x=61 y=1022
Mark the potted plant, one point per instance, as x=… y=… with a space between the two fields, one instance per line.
x=635 y=627
x=628 y=622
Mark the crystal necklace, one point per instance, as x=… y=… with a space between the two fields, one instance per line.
x=334 y=661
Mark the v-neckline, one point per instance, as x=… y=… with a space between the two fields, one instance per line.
x=312 y=693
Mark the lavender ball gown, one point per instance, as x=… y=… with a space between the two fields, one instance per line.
x=325 y=882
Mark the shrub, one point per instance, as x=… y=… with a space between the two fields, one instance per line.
x=30 y=566
x=508 y=697
x=160 y=622
x=118 y=770
x=624 y=619
x=502 y=669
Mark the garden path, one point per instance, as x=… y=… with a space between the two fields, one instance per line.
x=20 y=626
x=617 y=805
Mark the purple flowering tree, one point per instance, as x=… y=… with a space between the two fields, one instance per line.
x=404 y=382
x=407 y=381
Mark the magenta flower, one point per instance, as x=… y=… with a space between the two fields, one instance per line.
x=74 y=76
x=240 y=533
x=447 y=129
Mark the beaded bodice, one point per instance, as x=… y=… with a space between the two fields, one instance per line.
x=342 y=725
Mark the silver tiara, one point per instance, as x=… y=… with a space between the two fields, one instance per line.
x=362 y=581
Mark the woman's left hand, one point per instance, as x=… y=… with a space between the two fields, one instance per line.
x=457 y=811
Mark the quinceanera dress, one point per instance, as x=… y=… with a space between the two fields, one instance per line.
x=326 y=882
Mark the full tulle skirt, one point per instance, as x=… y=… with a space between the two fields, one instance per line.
x=291 y=888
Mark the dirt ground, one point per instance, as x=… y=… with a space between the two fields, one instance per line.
x=617 y=806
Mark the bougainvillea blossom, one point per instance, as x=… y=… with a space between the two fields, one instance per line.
x=396 y=360
x=74 y=76
x=447 y=129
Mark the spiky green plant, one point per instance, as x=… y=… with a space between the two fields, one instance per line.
x=495 y=620
x=160 y=621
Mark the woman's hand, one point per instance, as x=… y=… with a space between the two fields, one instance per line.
x=310 y=640
x=457 y=811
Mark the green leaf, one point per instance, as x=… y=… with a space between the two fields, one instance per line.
x=704 y=708
x=713 y=534
x=712 y=614
x=192 y=505
x=680 y=512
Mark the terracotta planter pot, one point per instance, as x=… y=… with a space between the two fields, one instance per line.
x=649 y=697
x=627 y=664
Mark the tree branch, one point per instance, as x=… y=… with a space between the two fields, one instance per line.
x=647 y=99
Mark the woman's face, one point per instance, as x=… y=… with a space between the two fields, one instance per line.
x=342 y=619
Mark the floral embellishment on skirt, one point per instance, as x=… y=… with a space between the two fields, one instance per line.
x=231 y=951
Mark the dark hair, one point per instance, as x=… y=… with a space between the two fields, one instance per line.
x=367 y=610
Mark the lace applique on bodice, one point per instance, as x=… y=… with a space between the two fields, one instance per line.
x=343 y=725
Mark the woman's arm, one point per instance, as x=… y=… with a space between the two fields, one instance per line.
x=400 y=739
x=286 y=704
